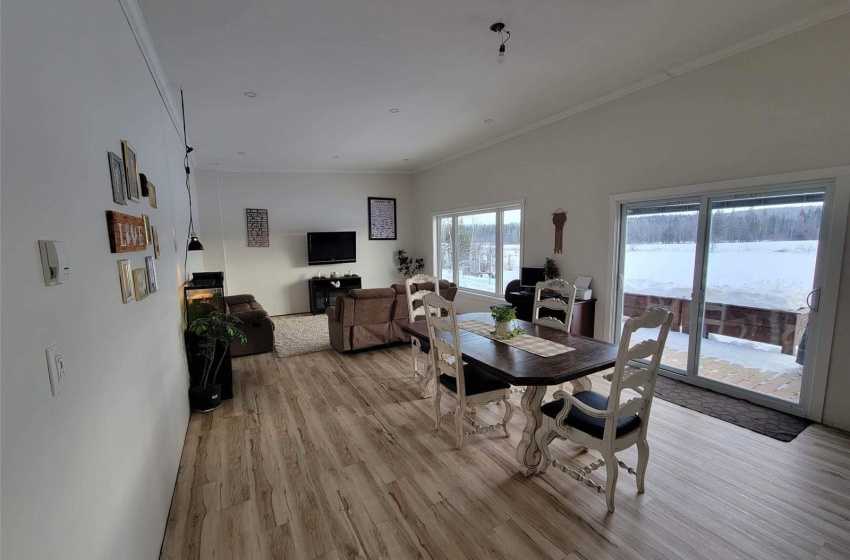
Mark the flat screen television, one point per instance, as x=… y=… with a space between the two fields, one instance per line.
x=331 y=247
x=529 y=276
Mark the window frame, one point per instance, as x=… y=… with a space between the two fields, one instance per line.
x=499 y=209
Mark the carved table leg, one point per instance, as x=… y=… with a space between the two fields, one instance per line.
x=581 y=384
x=527 y=452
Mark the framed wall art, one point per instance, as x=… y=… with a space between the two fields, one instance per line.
x=151 y=268
x=151 y=194
x=382 y=218
x=148 y=236
x=119 y=183
x=140 y=283
x=125 y=277
x=126 y=232
x=155 y=235
x=131 y=171
x=257 y=222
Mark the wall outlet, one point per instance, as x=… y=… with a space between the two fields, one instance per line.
x=56 y=368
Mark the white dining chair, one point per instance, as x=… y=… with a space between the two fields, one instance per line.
x=467 y=384
x=604 y=423
x=567 y=292
x=419 y=348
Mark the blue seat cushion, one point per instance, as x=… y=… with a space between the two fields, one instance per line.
x=588 y=424
x=425 y=345
x=476 y=380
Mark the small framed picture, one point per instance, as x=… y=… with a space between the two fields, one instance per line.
x=119 y=184
x=125 y=276
x=155 y=235
x=382 y=218
x=140 y=283
x=131 y=171
x=151 y=268
x=152 y=194
x=148 y=236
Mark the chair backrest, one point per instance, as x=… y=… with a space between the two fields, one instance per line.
x=445 y=353
x=639 y=379
x=566 y=290
x=414 y=311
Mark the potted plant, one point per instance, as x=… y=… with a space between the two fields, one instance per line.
x=215 y=332
x=550 y=269
x=409 y=266
x=503 y=315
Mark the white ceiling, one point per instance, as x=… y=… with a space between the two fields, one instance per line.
x=327 y=71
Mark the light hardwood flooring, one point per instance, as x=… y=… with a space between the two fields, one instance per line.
x=334 y=456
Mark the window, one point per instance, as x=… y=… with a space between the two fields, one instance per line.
x=480 y=250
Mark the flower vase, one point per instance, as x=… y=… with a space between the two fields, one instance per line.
x=503 y=330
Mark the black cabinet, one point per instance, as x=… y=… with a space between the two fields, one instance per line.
x=323 y=291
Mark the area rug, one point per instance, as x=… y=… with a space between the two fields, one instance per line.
x=300 y=334
x=745 y=414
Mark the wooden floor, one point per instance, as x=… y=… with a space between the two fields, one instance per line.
x=335 y=456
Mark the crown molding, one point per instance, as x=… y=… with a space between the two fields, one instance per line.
x=832 y=11
x=143 y=38
x=260 y=169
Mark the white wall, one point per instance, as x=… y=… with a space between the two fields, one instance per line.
x=297 y=203
x=89 y=473
x=782 y=107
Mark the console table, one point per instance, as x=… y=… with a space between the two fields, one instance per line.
x=584 y=311
x=323 y=291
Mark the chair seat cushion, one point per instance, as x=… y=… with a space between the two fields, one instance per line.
x=477 y=381
x=594 y=427
x=425 y=345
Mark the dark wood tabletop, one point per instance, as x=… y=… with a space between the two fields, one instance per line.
x=522 y=368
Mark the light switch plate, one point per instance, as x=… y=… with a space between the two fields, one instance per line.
x=56 y=368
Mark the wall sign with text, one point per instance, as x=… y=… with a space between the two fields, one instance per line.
x=382 y=218
x=126 y=233
x=258 y=227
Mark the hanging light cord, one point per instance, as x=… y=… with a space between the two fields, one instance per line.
x=188 y=187
x=502 y=33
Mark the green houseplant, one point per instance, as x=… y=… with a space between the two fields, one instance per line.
x=215 y=332
x=550 y=269
x=503 y=315
x=408 y=265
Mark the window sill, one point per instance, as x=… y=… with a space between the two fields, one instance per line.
x=490 y=298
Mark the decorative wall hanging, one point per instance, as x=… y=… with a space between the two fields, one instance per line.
x=131 y=171
x=140 y=283
x=155 y=235
x=152 y=194
x=126 y=233
x=143 y=185
x=258 y=227
x=559 y=218
x=125 y=277
x=119 y=184
x=151 y=268
x=148 y=236
x=382 y=218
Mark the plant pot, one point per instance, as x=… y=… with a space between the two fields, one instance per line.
x=205 y=399
x=503 y=330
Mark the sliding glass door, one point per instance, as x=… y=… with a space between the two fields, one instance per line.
x=740 y=274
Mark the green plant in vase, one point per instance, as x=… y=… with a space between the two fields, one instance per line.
x=215 y=331
x=503 y=316
x=550 y=269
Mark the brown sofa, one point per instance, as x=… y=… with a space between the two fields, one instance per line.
x=372 y=317
x=255 y=324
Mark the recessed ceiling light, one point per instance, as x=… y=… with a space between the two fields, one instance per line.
x=407 y=159
x=336 y=157
x=240 y=153
x=393 y=110
x=249 y=94
x=488 y=120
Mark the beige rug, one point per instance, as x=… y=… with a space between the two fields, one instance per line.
x=300 y=334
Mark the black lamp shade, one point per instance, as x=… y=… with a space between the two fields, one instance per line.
x=195 y=244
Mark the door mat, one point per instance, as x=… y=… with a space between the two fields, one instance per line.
x=760 y=419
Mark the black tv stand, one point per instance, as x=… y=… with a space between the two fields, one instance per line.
x=323 y=291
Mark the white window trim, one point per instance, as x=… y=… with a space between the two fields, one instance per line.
x=840 y=191
x=498 y=208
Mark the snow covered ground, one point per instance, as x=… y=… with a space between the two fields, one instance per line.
x=767 y=275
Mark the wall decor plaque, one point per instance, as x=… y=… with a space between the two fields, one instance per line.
x=126 y=233
x=140 y=283
x=125 y=276
x=119 y=182
x=257 y=220
x=382 y=218
x=131 y=171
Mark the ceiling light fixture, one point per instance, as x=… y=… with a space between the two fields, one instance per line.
x=240 y=153
x=499 y=28
x=336 y=157
x=393 y=110
x=249 y=94
x=193 y=243
x=488 y=120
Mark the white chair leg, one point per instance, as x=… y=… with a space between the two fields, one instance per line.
x=509 y=411
x=541 y=437
x=612 y=470
x=438 y=412
x=459 y=412
x=643 y=461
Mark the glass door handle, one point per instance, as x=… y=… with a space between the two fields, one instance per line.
x=813 y=299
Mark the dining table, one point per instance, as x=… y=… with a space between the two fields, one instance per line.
x=523 y=368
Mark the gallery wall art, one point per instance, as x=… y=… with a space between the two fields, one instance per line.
x=257 y=220
x=382 y=218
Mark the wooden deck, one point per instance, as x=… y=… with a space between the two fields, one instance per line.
x=334 y=456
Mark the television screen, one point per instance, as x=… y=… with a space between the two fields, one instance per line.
x=331 y=247
x=529 y=276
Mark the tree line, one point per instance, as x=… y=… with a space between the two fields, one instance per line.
x=774 y=224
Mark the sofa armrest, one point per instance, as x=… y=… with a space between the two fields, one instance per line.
x=237 y=299
x=333 y=312
x=252 y=318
